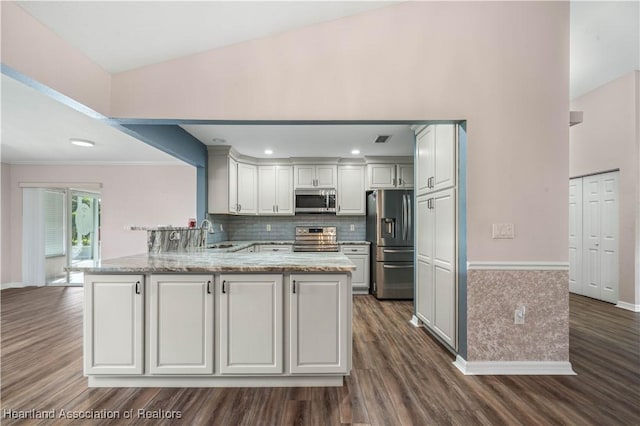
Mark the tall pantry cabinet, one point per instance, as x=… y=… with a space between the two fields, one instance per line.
x=436 y=240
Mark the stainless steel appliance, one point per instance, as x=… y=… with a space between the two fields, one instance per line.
x=390 y=230
x=315 y=201
x=316 y=238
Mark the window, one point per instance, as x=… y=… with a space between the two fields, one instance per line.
x=54 y=223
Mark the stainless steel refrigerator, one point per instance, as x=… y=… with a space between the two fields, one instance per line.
x=390 y=231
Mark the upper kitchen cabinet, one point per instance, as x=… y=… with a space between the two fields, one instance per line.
x=351 y=191
x=315 y=176
x=390 y=176
x=436 y=158
x=247 y=189
x=275 y=190
x=233 y=185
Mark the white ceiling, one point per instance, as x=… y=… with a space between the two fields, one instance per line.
x=318 y=140
x=605 y=42
x=36 y=129
x=124 y=35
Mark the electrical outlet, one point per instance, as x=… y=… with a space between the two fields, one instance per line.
x=503 y=231
x=518 y=315
x=352 y=227
x=268 y=227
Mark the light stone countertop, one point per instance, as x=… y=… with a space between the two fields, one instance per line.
x=202 y=260
x=239 y=245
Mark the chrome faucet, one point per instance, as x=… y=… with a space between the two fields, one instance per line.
x=209 y=225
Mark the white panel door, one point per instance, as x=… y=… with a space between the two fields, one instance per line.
x=360 y=277
x=233 y=186
x=382 y=176
x=247 y=189
x=444 y=230
x=351 y=191
x=609 y=277
x=113 y=319
x=326 y=176
x=405 y=176
x=424 y=160
x=181 y=324
x=575 y=235
x=251 y=326
x=319 y=323
x=267 y=189
x=444 y=157
x=424 y=257
x=305 y=176
x=591 y=217
x=424 y=292
x=284 y=190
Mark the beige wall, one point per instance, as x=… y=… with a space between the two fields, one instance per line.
x=606 y=140
x=131 y=195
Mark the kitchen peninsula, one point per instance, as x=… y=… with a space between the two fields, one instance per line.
x=210 y=318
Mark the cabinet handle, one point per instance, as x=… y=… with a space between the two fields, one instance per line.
x=339 y=208
x=239 y=207
x=399 y=181
x=277 y=209
x=223 y=290
x=394 y=181
x=137 y=287
x=275 y=249
x=294 y=286
x=208 y=287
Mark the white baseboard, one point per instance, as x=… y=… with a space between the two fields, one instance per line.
x=628 y=306
x=517 y=266
x=4 y=286
x=213 y=381
x=529 y=368
x=415 y=321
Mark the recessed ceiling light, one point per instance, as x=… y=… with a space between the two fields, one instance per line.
x=268 y=151
x=355 y=151
x=82 y=142
x=218 y=140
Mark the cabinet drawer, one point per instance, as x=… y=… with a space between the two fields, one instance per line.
x=275 y=248
x=352 y=249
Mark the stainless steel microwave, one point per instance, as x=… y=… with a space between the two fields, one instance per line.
x=316 y=201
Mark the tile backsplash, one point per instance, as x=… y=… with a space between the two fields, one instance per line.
x=249 y=228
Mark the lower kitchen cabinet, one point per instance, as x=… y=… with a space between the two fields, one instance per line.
x=113 y=322
x=358 y=254
x=251 y=324
x=319 y=328
x=181 y=320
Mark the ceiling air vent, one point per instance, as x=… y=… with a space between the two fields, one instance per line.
x=382 y=139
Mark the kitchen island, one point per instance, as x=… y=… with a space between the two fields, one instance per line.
x=204 y=318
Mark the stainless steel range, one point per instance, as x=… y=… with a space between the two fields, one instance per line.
x=316 y=238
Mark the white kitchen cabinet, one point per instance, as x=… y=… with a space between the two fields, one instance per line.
x=251 y=324
x=390 y=176
x=315 y=176
x=181 y=320
x=247 y=189
x=222 y=184
x=351 y=190
x=113 y=321
x=275 y=190
x=276 y=248
x=358 y=254
x=319 y=323
x=436 y=158
x=233 y=186
x=436 y=268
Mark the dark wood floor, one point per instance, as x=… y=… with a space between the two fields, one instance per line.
x=401 y=375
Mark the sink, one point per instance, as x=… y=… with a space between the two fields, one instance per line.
x=219 y=246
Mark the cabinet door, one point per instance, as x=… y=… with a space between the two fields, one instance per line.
x=424 y=160
x=405 y=176
x=113 y=319
x=351 y=191
x=424 y=257
x=319 y=328
x=251 y=327
x=233 y=186
x=267 y=190
x=444 y=175
x=360 y=277
x=382 y=176
x=305 y=176
x=284 y=190
x=181 y=324
x=326 y=176
x=444 y=279
x=247 y=189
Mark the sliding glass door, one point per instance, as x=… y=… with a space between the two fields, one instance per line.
x=84 y=231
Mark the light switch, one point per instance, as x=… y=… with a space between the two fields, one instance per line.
x=352 y=227
x=268 y=227
x=503 y=230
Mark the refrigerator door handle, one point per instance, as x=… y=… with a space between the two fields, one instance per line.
x=397 y=251
x=409 y=214
x=397 y=266
x=404 y=217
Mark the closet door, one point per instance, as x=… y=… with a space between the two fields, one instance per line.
x=575 y=235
